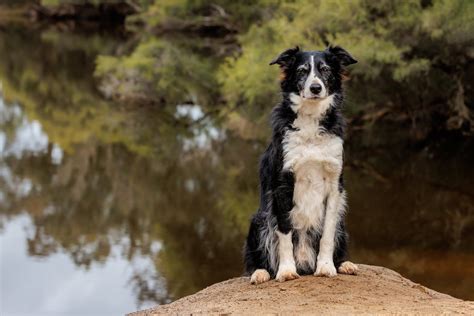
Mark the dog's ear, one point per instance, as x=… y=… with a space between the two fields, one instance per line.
x=341 y=55
x=287 y=58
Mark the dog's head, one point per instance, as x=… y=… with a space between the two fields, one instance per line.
x=313 y=74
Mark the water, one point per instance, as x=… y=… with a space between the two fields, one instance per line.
x=107 y=208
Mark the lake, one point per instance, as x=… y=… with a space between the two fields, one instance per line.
x=108 y=207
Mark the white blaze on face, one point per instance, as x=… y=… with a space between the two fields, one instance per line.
x=313 y=79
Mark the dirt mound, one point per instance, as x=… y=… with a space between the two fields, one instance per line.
x=375 y=290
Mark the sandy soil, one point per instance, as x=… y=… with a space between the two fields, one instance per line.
x=375 y=290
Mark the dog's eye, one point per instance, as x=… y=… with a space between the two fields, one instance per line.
x=301 y=70
x=324 y=68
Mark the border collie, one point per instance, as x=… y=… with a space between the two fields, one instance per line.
x=299 y=226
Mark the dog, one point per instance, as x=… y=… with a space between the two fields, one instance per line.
x=299 y=226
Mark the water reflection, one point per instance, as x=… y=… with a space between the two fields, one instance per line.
x=172 y=209
x=55 y=285
x=102 y=181
x=202 y=129
x=412 y=208
x=18 y=137
x=28 y=135
x=149 y=204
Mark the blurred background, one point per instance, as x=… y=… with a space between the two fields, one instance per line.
x=131 y=132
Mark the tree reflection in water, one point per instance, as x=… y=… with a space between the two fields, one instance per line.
x=101 y=195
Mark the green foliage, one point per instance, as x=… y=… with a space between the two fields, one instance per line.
x=55 y=87
x=59 y=2
x=404 y=48
x=400 y=43
x=239 y=13
x=159 y=69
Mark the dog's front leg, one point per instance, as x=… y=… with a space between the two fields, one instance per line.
x=282 y=205
x=325 y=265
x=286 y=266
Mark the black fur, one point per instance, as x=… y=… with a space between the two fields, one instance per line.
x=276 y=184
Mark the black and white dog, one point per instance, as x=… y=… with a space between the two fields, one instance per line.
x=299 y=227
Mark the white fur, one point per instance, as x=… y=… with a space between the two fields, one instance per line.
x=259 y=276
x=325 y=268
x=348 y=267
x=310 y=108
x=315 y=158
x=335 y=203
x=304 y=252
x=287 y=267
x=312 y=78
x=269 y=241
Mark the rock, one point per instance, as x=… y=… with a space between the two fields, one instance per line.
x=375 y=290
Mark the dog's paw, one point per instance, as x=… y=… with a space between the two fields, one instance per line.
x=286 y=275
x=259 y=276
x=348 y=267
x=325 y=268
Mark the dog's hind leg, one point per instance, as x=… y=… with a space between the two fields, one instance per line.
x=259 y=276
x=255 y=264
x=348 y=267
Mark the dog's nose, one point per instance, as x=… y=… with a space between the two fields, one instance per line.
x=315 y=88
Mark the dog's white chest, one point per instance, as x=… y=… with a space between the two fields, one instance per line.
x=315 y=158
x=308 y=145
